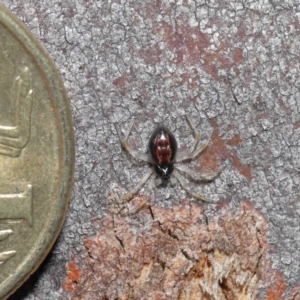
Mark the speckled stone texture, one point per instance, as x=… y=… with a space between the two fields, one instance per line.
x=231 y=66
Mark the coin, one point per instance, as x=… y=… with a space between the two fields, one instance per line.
x=36 y=153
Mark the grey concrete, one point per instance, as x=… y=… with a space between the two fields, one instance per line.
x=127 y=60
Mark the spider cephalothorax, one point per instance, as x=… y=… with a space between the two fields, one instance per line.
x=164 y=157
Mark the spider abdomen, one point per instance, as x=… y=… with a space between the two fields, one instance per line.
x=162 y=146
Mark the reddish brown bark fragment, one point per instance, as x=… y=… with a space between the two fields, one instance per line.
x=175 y=255
x=294 y=295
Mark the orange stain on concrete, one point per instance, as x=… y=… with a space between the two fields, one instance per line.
x=238 y=55
x=219 y=149
x=122 y=83
x=189 y=45
x=72 y=277
x=277 y=289
x=88 y=243
x=236 y=139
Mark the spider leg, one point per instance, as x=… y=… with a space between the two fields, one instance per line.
x=135 y=209
x=129 y=131
x=208 y=176
x=193 y=151
x=196 y=134
x=183 y=183
x=128 y=196
x=126 y=146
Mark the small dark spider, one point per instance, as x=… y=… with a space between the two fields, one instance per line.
x=163 y=155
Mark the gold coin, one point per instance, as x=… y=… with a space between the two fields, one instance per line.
x=36 y=153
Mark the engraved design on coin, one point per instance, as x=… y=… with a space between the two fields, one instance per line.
x=17 y=205
x=14 y=138
x=6 y=255
x=14 y=206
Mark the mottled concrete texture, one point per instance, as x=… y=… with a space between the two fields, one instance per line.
x=233 y=68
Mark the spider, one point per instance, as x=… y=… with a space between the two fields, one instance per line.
x=164 y=157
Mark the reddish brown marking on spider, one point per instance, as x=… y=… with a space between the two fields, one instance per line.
x=163 y=148
x=163 y=151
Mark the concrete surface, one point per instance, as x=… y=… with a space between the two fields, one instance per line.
x=232 y=66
